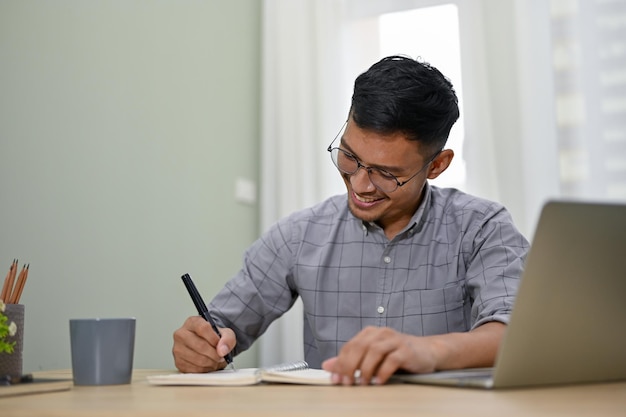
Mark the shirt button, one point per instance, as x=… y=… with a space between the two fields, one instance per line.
x=387 y=259
x=380 y=309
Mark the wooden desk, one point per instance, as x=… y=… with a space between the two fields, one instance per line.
x=141 y=399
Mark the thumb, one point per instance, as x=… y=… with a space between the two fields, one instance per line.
x=227 y=342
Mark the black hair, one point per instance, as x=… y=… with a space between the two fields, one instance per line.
x=403 y=94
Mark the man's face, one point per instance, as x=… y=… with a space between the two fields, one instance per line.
x=394 y=154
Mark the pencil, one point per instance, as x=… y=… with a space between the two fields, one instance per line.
x=7 y=287
x=19 y=285
x=13 y=283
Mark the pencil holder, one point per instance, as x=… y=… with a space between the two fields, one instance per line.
x=11 y=363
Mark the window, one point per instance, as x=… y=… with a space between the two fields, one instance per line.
x=589 y=64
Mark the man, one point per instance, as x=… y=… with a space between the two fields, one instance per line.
x=395 y=275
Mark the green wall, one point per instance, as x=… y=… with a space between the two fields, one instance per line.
x=123 y=128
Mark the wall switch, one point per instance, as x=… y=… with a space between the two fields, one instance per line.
x=245 y=191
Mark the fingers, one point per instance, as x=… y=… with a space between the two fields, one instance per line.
x=382 y=358
x=372 y=357
x=197 y=348
x=194 y=346
x=365 y=353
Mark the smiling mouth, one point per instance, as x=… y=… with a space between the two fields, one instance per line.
x=365 y=201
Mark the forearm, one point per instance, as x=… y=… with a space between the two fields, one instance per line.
x=473 y=349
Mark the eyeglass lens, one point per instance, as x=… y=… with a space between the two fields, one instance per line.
x=348 y=164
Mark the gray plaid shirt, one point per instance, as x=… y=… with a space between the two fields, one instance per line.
x=455 y=266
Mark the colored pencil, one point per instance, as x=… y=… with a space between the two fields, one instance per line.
x=7 y=287
x=19 y=285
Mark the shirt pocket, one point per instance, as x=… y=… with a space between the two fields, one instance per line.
x=436 y=311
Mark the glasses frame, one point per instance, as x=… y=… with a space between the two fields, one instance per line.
x=369 y=169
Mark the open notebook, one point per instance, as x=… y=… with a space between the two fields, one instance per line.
x=289 y=373
x=566 y=325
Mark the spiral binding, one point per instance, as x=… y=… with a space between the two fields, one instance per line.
x=290 y=366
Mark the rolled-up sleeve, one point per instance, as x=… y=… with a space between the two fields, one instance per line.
x=494 y=267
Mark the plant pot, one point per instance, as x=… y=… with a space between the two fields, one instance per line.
x=11 y=363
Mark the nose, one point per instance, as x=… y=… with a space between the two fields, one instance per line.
x=361 y=182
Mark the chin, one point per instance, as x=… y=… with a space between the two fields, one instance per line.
x=360 y=213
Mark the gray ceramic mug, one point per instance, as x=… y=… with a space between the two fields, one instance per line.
x=102 y=350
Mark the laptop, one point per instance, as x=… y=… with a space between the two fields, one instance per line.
x=568 y=323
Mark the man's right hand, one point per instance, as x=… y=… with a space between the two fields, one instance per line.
x=197 y=348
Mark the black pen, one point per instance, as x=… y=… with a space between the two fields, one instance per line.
x=204 y=311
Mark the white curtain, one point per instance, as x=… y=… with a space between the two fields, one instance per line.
x=509 y=110
x=302 y=109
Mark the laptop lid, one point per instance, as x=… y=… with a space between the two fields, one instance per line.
x=567 y=324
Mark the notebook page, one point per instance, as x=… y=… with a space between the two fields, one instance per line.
x=300 y=376
x=225 y=377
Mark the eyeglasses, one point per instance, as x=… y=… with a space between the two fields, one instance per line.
x=383 y=180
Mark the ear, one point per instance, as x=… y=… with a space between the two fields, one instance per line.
x=440 y=163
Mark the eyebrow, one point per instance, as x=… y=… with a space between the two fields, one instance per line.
x=387 y=169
